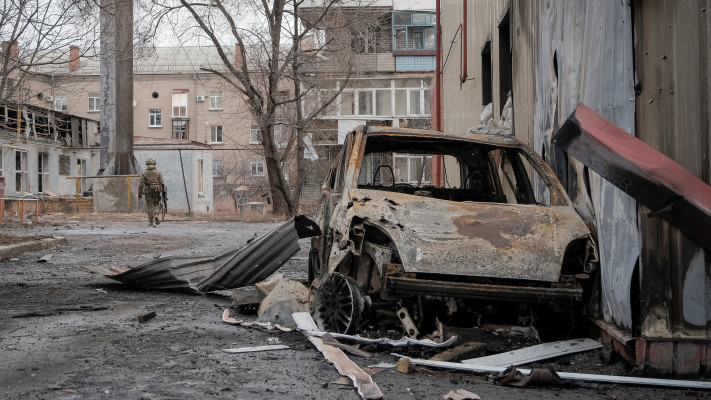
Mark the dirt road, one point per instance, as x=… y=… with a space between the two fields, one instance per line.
x=69 y=333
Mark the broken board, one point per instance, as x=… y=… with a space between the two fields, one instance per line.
x=367 y=389
x=536 y=353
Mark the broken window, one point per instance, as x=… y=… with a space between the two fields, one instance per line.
x=81 y=171
x=43 y=172
x=60 y=102
x=22 y=183
x=65 y=165
x=180 y=129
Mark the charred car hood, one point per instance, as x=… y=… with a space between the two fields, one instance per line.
x=472 y=239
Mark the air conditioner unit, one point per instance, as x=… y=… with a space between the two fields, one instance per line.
x=200 y=98
x=48 y=98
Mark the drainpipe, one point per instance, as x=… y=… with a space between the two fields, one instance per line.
x=438 y=161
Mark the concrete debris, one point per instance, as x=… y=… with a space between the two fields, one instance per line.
x=147 y=316
x=405 y=366
x=255 y=349
x=45 y=258
x=461 y=394
x=285 y=298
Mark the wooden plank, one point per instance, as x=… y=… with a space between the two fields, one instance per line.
x=255 y=349
x=536 y=353
x=628 y=380
x=367 y=389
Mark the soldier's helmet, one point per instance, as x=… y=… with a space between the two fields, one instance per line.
x=150 y=161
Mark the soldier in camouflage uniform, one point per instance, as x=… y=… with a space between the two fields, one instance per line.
x=152 y=187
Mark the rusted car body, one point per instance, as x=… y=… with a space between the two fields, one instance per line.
x=492 y=225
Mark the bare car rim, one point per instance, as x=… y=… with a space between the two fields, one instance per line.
x=339 y=304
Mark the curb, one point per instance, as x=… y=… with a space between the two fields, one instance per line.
x=15 y=250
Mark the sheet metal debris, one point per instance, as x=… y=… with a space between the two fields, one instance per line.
x=266 y=326
x=538 y=377
x=627 y=380
x=367 y=389
x=239 y=267
x=536 y=353
x=461 y=394
x=653 y=179
x=405 y=341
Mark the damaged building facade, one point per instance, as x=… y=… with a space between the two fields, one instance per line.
x=644 y=67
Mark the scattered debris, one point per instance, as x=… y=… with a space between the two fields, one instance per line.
x=247 y=299
x=383 y=365
x=267 y=326
x=45 y=258
x=457 y=353
x=628 y=380
x=330 y=340
x=461 y=394
x=405 y=341
x=367 y=389
x=102 y=291
x=405 y=366
x=407 y=323
x=147 y=316
x=538 y=377
x=239 y=267
x=536 y=353
x=285 y=298
x=255 y=349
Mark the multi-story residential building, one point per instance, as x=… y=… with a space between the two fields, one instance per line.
x=391 y=50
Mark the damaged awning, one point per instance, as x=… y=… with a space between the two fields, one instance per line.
x=653 y=179
x=239 y=267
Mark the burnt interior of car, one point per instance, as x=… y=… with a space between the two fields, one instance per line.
x=470 y=172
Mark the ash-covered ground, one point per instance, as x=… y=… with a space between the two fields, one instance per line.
x=67 y=332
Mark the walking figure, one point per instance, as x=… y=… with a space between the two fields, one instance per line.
x=153 y=188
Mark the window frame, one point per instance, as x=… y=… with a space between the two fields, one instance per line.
x=255 y=135
x=43 y=172
x=215 y=163
x=95 y=101
x=201 y=178
x=180 y=96
x=216 y=132
x=184 y=123
x=216 y=101
x=154 y=117
x=413 y=29
x=256 y=168
x=60 y=103
x=22 y=175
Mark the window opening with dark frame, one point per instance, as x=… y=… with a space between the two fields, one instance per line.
x=486 y=86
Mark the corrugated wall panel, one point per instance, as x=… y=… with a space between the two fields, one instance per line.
x=673 y=109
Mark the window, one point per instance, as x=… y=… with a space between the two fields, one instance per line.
x=201 y=182
x=81 y=171
x=43 y=172
x=215 y=100
x=94 y=102
x=413 y=30
x=22 y=183
x=216 y=134
x=64 y=165
x=412 y=97
x=255 y=135
x=60 y=102
x=180 y=103
x=217 y=168
x=486 y=91
x=412 y=168
x=282 y=131
x=365 y=102
x=155 y=119
x=505 y=62
x=180 y=129
x=257 y=168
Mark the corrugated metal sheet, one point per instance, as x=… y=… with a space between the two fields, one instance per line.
x=585 y=56
x=673 y=116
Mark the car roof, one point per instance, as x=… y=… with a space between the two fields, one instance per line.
x=478 y=137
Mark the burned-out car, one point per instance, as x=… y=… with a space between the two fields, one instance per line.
x=466 y=228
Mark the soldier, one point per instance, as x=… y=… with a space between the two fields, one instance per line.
x=153 y=187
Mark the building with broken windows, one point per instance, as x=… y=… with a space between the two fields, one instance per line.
x=643 y=65
x=376 y=59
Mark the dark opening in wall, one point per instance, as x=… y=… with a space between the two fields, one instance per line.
x=505 y=64
x=486 y=86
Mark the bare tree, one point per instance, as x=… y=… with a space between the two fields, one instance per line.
x=38 y=34
x=266 y=70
